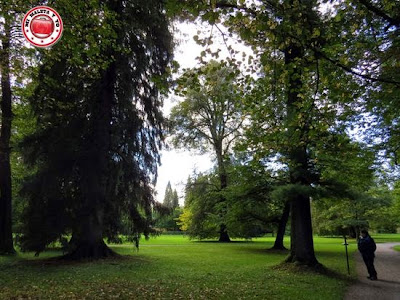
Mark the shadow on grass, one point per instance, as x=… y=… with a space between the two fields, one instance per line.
x=298 y=268
x=223 y=243
x=277 y=251
x=60 y=261
x=265 y=251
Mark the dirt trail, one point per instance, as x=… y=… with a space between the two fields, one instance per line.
x=387 y=265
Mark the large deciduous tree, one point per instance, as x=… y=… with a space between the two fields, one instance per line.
x=97 y=102
x=209 y=118
x=312 y=76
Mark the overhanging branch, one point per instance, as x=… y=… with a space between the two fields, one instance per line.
x=392 y=21
x=224 y=5
x=351 y=71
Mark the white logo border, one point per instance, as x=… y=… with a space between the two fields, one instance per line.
x=45 y=42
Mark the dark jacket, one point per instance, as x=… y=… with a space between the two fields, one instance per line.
x=367 y=246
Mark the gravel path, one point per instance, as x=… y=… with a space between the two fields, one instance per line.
x=387 y=265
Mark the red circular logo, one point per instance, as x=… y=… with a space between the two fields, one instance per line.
x=42 y=26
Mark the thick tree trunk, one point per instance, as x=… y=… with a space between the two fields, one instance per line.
x=6 y=240
x=87 y=242
x=88 y=234
x=278 y=245
x=302 y=246
x=223 y=178
x=223 y=234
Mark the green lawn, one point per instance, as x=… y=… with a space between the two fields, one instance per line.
x=397 y=248
x=173 y=267
x=386 y=237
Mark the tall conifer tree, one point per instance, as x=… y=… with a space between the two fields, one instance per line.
x=97 y=100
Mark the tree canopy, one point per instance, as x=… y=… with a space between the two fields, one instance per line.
x=210 y=117
x=99 y=125
x=316 y=72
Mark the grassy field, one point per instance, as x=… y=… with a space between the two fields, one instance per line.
x=173 y=267
x=386 y=238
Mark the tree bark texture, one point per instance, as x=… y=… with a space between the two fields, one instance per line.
x=302 y=245
x=6 y=239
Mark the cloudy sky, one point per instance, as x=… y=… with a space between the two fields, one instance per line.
x=177 y=165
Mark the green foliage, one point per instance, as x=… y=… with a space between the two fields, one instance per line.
x=384 y=216
x=202 y=213
x=370 y=44
x=175 y=199
x=313 y=76
x=15 y=69
x=171 y=199
x=97 y=104
x=209 y=118
x=245 y=206
x=348 y=55
x=24 y=124
x=166 y=218
x=169 y=221
x=349 y=198
x=253 y=210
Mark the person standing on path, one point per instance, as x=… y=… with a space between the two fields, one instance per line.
x=367 y=247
